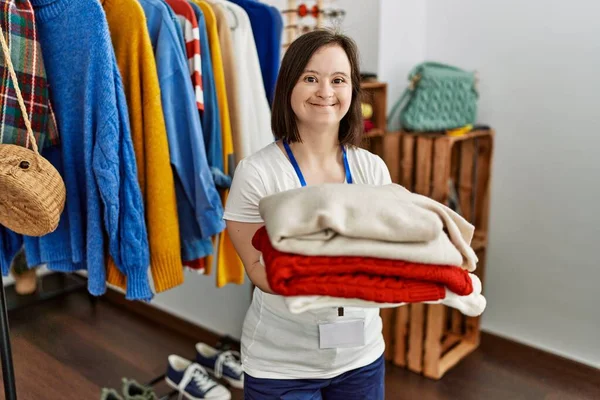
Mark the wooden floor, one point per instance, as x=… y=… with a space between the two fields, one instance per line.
x=67 y=349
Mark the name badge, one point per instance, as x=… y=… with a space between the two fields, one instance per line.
x=343 y=332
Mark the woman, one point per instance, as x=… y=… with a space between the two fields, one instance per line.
x=318 y=123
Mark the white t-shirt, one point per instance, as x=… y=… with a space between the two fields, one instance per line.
x=277 y=344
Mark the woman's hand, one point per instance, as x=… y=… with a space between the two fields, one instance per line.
x=241 y=234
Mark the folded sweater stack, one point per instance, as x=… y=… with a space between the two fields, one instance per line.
x=364 y=245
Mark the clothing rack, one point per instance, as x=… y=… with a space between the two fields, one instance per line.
x=8 y=374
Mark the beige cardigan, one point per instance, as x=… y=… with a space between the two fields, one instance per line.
x=231 y=78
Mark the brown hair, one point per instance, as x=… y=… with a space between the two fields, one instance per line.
x=297 y=56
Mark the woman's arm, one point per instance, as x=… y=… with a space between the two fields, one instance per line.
x=241 y=234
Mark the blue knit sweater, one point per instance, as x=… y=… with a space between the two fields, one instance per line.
x=96 y=159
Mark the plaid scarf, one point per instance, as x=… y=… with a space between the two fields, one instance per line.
x=18 y=22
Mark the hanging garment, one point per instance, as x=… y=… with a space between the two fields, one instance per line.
x=231 y=79
x=255 y=114
x=18 y=20
x=274 y=54
x=230 y=268
x=217 y=63
x=198 y=203
x=189 y=25
x=104 y=205
x=267 y=28
x=193 y=245
x=177 y=24
x=211 y=120
x=10 y=244
x=135 y=59
x=228 y=264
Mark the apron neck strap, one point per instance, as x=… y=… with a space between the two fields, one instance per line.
x=290 y=154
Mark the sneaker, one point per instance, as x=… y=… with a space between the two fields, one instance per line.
x=134 y=391
x=110 y=394
x=222 y=364
x=192 y=381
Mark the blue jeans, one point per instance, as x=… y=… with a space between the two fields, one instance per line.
x=359 y=384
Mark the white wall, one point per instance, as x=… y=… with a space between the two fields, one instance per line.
x=540 y=88
x=199 y=301
x=361 y=23
x=402 y=40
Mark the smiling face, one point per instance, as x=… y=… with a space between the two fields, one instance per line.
x=318 y=89
x=322 y=95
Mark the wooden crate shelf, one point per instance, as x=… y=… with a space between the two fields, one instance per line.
x=431 y=339
x=375 y=133
x=375 y=93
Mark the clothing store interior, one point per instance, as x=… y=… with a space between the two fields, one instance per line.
x=174 y=224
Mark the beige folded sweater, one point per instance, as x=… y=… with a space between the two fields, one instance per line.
x=366 y=220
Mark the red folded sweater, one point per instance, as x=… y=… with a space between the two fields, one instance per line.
x=366 y=278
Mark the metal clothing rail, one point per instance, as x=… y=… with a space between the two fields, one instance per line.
x=8 y=373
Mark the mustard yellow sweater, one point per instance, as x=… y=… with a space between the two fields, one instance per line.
x=229 y=266
x=135 y=58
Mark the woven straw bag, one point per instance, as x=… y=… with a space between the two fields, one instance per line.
x=32 y=192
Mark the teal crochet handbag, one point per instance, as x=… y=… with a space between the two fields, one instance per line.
x=438 y=97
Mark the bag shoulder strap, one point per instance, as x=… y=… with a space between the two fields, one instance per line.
x=13 y=75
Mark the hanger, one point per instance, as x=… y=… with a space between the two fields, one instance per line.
x=235 y=18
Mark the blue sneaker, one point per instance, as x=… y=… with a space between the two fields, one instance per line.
x=222 y=364
x=192 y=381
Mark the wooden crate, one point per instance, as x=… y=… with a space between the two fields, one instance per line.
x=375 y=94
x=431 y=339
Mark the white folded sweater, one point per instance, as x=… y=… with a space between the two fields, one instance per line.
x=471 y=305
x=367 y=220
